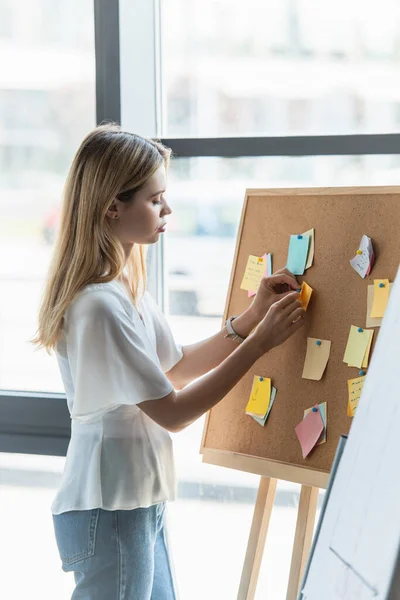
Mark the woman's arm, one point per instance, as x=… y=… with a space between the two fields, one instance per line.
x=202 y=357
x=179 y=409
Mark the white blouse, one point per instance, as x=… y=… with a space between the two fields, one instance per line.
x=110 y=360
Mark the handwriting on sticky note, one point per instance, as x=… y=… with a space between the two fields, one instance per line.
x=317 y=356
x=324 y=414
x=305 y=294
x=355 y=387
x=364 y=258
x=310 y=256
x=298 y=253
x=381 y=297
x=357 y=345
x=267 y=273
x=309 y=430
x=259 y=397
x=253 y=274
x=263 y=420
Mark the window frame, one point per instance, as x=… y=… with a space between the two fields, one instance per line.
x=127 y=49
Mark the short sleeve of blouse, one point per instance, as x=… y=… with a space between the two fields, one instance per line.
x=169 y=352
x=111 y=363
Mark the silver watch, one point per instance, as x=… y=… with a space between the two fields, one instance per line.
x=231 y=332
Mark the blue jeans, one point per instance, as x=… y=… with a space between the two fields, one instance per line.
x=116 y=555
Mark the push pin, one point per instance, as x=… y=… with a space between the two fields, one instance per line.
x=318 y=342
x=299 y=237
x=361 y=373
x=298 y=291
x=359 y=252
x=381 y=284
x=360 y=330
x=260 y=379
x=315 y=409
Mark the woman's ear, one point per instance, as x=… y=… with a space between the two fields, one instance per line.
x=112 y=211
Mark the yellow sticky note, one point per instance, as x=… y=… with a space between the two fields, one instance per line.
x=310 y=255
x=367 y=351
x=381 y=297
x=253 y=274
x=259 y=397
x=316 y=358
x=357 y=345
x=355 y=387
x=370 y=322
x=305 y=294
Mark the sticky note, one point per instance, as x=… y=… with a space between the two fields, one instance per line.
x=381 y=297
x=367 y=351
x=372 y=322
x=309 y=431
x=254 y=272
x=357 y=345
x=305 y=294
x=298 y=253
x=364 y=259
x=263 y=420
x=355 y=387
x=317 y=356
x=259 y=397
x=324 y=414
x=267 y=273
x=310 y=256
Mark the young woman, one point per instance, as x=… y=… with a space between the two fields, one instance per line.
x=121 y=367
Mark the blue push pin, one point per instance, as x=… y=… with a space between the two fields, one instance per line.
x=260 y=379
x=381 y=285
x=298 y=291
x=361 y=373
x=299 y=237
x=360 y=330
x=318 y=342
x=315 y=409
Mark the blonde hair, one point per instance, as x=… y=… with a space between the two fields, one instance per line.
x=109 y=163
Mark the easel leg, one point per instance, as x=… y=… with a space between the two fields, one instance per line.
x=302 y=538
x=258 y=533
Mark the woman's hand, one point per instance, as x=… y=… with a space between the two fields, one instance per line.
x=272 y=289
x=282 y=320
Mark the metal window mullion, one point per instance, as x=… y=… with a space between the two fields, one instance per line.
x=323 y=145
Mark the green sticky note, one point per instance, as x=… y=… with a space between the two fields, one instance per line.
x=298 y=252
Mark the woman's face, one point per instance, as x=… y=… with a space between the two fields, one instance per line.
x=142 y=220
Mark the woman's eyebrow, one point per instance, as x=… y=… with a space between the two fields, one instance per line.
x=157 y=193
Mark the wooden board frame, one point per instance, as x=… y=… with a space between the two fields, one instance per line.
x=256 y=464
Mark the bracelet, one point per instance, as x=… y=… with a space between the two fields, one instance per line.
x=231 y=332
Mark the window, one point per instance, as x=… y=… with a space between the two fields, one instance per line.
x=280 y=67
x=47 y=102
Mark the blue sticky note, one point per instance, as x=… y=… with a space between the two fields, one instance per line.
x=297 y=255
x=263 y=420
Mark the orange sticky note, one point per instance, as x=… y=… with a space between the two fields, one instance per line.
x=305 y=294
x=309 y=430
x=381 y=297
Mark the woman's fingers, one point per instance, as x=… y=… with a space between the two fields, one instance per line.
x=282 y=278
x=297 y=314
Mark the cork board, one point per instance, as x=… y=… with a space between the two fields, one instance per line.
x=340 y=217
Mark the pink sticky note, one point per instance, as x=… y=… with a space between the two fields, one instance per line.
x=309 y=430
x=251 y=294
